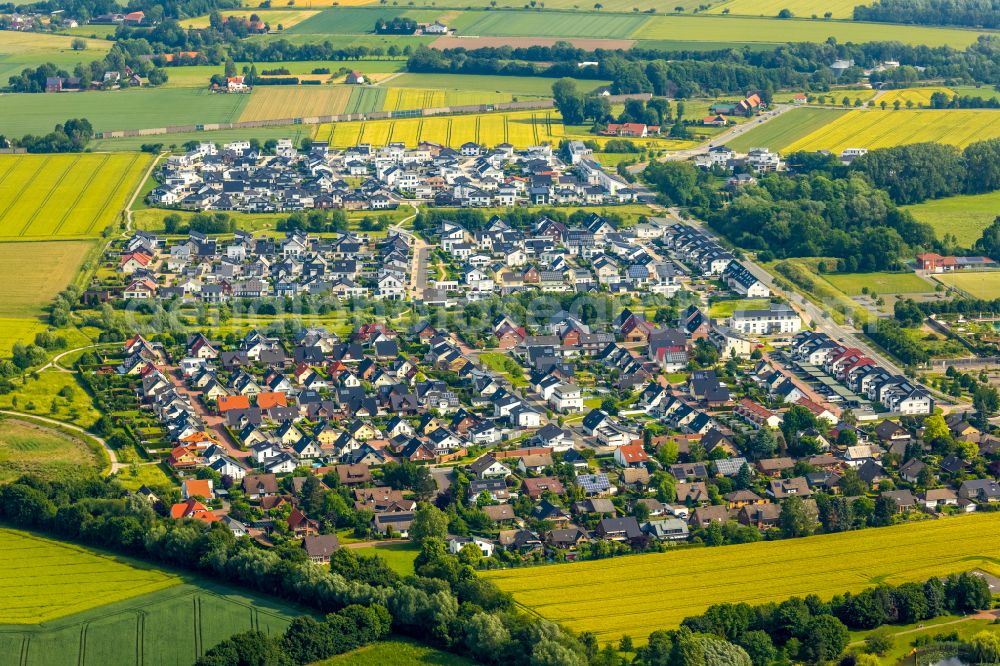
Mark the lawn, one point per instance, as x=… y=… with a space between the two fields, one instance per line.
x=738 y=29
x=398 y=653
x=725 y=309
x=136 y=108
x=399 y=556
x=786 y=129
x=516 y=85
x=29 y=448
x=882 y=129
x=498 y=362
x=45 y=197
x=965 y=216
x=665 y=588
x=151 y=219
x=152 y=475
x=270 y=102
x=43 y=579
x=977 y=285
x=19 y=50
x=902 y=643
x=840 y=9
x=880 y=283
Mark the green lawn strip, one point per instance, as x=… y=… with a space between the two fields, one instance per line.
x=785 y=129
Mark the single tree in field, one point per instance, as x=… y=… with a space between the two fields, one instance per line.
x=78 y=44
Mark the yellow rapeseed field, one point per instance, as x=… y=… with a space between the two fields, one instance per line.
x=520 y=128
x=884 y=129
x=639 y=594
x=919 y=96
x=65 y=195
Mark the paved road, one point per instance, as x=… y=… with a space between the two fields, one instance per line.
x=809 y=311
x=213 y=422
x=115 y=465
x=420 y=250
x=718 y=139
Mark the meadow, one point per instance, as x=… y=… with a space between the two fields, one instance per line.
x=880 y=283
x=398 y=653
x=43 y=579
x=549 y=24
x=28 y=448
x=976 y=284
x=642 y=593
x=19 y=50
x=31 y=274
x=839 y=9
x=737 y=29
x=515 y=85
x=172 y=141
x=36 y=395
x=521 y=128
x=964 y=216
x=286 y=18
x=269 y=102
x=45 y=197
x=357 y=20
x=135 y=108
x=399 y=556
x=726 y=308
x=883 y=129
x=786 y=129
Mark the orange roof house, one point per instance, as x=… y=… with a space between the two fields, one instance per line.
x=230 y=402
x=192 y=508
x=192 y=488
x=183 y=456
x=268 y=400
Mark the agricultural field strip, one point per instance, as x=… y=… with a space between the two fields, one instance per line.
x=115 y=191
x=843 y=565
x=19 y=184
x=57 y=180
x=94 y=171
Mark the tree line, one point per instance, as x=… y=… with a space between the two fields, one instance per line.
x=921 y=171
x=445 y=604
x=820 y=212
x=969 y=13
x=69 y=137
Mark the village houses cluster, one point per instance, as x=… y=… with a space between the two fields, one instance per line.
x=239 y=177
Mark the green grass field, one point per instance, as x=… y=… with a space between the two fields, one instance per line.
x=663 y=589
x=515 y=85
x=35 y=396
x=137 y=108
x=31 y=274
x=365 y=100
x=840 y=9
x=29 y=448
x=43 y=579
x=747 y=29
x=398 y=653
x=883 y=129
x=399 y=556
x=976 y=284
x=356 y=20
x=172 y=626
x=785 y=129
x=965 y=217
x=724 y=309
x=549 y=24
x=19 y=50
x=133 y=143
x=44 y=197
x=880 y=283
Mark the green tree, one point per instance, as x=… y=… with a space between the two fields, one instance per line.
x=827 y=638
x=795 y=521
x=428 y=521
